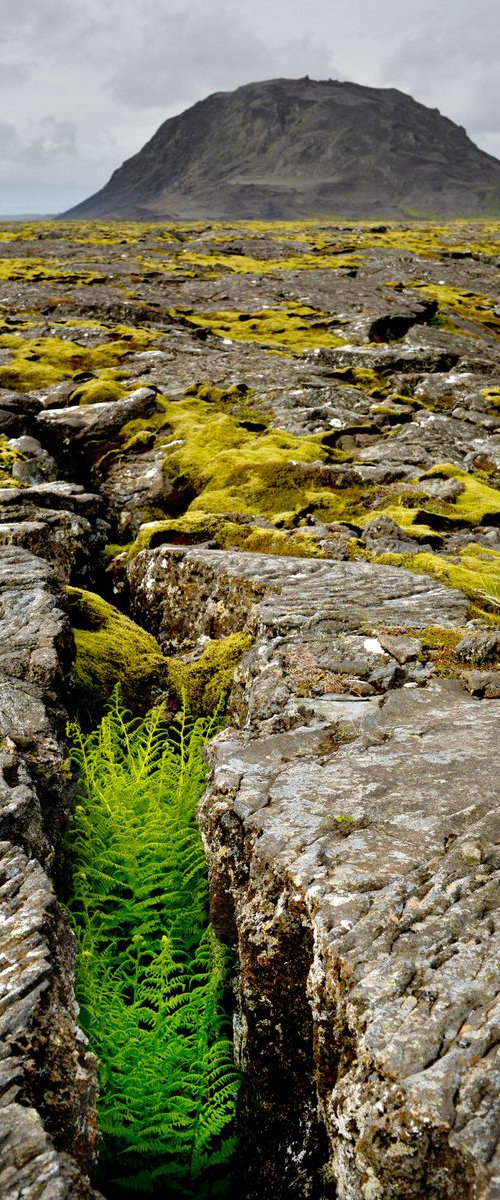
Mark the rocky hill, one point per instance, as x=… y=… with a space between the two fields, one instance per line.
x=291 y=148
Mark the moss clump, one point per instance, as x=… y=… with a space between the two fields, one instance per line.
x=98 y=391
x=239 y=401
x=196 y=527
x=8 y=457
x=473 y=307
x=476 y=502
x=206 y=682
x=492 y=395
x=111 y=649
x=415 y=513
x=439 y=646
x=217 y=264
x=475 y=572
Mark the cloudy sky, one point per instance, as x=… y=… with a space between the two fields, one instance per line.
x=84 y=83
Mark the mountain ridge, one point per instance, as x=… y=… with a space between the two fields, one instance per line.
x=302 y=148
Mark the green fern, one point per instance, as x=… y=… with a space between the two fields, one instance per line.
x=151 y=974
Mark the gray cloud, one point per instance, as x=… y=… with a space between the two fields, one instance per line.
x=83 y=86
x=201 y=51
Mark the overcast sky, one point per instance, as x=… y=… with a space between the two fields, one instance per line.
x=84 y=83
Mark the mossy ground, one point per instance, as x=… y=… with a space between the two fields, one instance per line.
x=254 y=486
x=40 y=362
x=296 y=328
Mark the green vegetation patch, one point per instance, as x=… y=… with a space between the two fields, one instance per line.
x=234 y=469
x=98 y=391
x=294 y=329
x=225 y=534
x=8 y=457
x=206 y=682
x=469 y=306
x=151 y=974
x=111 y=649
x=475 y=571
x=46 y=361
x=217 y=264
x=474 y=504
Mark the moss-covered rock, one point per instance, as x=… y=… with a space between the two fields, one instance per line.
x=111 y=649
x=98 y=391
x=206 y=682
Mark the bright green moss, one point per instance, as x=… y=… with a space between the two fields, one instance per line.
x=98 y=391
x=492 y=395
x=476 y=572
x=239 y=401
x=196 y=527
x=474 y=505
x=43 y=362
x=474 y=307
x=39 y=270
x=206 y=682
x=111 y=649
x=8 y=457
x=439 y=647
x=213 y=266
x=294 y=329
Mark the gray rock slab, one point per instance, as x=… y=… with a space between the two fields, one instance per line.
x=388 y=851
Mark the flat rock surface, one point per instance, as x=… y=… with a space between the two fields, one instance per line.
x=390 y=850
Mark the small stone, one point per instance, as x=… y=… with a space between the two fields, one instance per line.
x=402 y=648
x=482 y=683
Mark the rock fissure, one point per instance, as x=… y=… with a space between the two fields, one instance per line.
x=350 y=823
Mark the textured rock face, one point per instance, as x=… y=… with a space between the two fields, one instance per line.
x=47 y=1076
x=351 y=834
x=291 y=148
x=368 y=872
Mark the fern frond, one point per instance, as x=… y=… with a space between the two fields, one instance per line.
x=151 y=974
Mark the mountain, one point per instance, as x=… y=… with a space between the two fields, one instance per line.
x=290 y=148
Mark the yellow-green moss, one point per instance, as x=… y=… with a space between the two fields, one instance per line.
x=475 y=571
x=112 y=649
x=213 y=266
x=473 y=307
x=42 y=362
x=439 y=646
x=98 y=391
x=8 y=456
x=492 y=395
x=206 y=682
x=474 y=505
x=239 y=401
x=194 y=527
x=294 y=329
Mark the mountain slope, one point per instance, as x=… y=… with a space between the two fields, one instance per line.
x=301 y=148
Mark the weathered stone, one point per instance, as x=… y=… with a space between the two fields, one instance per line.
x=44 y=1063
x=66 y=429
x=367 y=869
x=482 y=683
x=34 y=464
x=30 y=1167
x=480 y=646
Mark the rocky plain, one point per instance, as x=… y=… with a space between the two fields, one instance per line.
x=265 y=459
